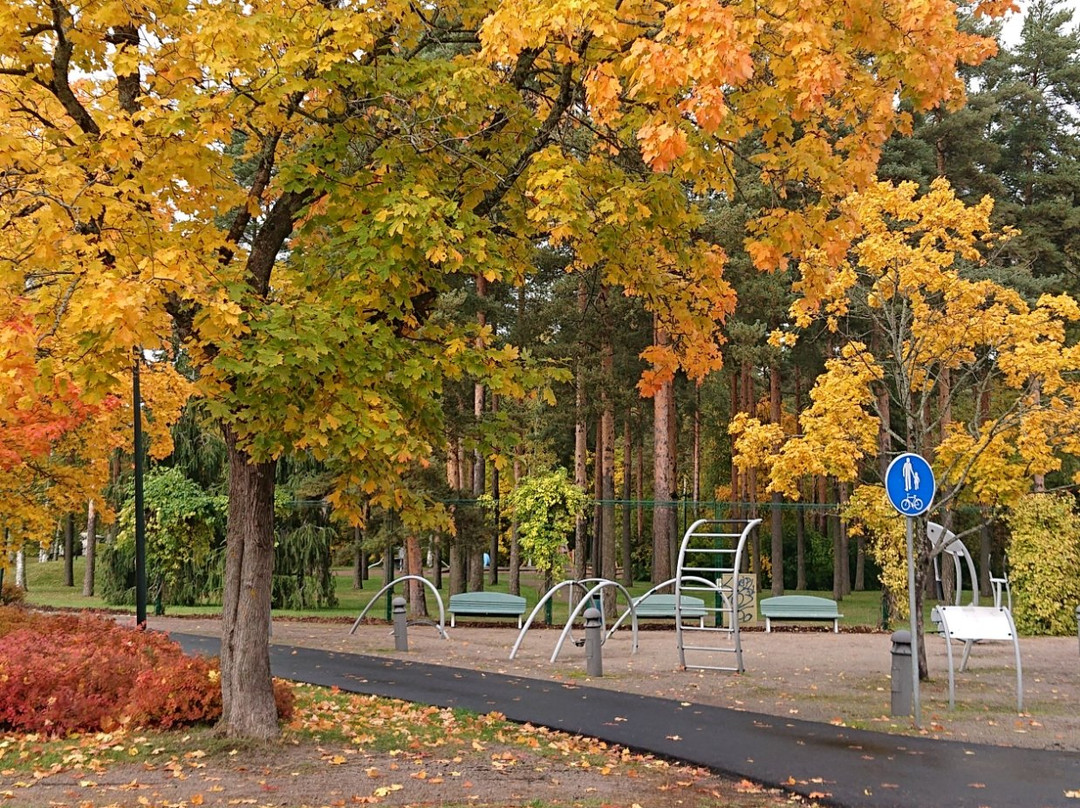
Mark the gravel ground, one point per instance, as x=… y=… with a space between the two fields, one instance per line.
x=813 y=674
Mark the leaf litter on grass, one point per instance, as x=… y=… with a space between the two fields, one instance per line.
x=344 y=749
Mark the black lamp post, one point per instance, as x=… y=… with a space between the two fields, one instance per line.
x=140 y=516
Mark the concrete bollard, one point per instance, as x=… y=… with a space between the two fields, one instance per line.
x=401 y=626
x=901 y=673
x=594 y=640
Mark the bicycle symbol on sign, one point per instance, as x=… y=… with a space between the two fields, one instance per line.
x=911 y=503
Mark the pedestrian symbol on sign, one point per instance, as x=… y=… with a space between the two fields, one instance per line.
x=910 y=485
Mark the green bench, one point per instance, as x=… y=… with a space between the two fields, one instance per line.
x=799 y=607
x=486 y=604
x=661 y=606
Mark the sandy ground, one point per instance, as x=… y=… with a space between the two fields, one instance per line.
x=812 y=674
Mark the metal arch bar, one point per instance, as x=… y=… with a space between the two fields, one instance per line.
x=633 y=603
x=440 y=627
x=536 y=610
x=584 y=604
x=690 y=533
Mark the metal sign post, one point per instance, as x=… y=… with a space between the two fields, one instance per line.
x=910 y=486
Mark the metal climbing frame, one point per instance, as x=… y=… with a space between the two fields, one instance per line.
x=710 y=562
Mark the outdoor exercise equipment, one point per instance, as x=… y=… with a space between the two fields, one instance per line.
x=710 y=562
x=599 y=584
x=440 y=626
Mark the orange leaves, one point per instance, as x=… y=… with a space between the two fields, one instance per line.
x=662 y=144
x=602 y=91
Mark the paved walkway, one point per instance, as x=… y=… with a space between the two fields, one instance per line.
x=855 y=767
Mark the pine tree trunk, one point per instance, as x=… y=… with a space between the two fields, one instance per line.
x=640 y=492
x=455 y=479
x=91 y=551
x=493 y=577
x=776 y=515
x=608 y=547
x=845 y=546
x=479 y=477
x=414 y=565
x=476 y=551
x=735 y=394
x=838 y=575
x=627 y=554
x=514 y=584
x=581 y=479
x=663 y=478
x=800 y=513
x=597 y=547
x=248 y=709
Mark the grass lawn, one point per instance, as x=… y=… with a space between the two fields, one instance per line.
x=46 y=589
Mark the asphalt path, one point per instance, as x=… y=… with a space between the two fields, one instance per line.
x=850 y=767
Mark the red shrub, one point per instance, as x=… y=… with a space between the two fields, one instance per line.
x=64 y=674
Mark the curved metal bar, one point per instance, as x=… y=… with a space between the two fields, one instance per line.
x=536 y=610
x=440 y=626
x=734 y=570
x=583 y=604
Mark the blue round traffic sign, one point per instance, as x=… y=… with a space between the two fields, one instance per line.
x=910 y=484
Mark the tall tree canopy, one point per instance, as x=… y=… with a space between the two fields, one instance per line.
x=281 y=189
x=924 y=337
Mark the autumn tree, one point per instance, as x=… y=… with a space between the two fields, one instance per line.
x=282 y=193
x=914 y=275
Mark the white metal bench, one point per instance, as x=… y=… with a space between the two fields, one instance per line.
x=970 y=624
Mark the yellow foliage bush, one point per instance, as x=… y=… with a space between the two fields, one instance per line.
x=1044 y=555
x=870 y=514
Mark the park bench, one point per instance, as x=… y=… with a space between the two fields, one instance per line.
x=663 y=606
x=799 y=607
x=486 y=604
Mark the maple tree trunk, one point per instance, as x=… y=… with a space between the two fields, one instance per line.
x=860 y=563
x=91 y=550
x=247 y=694
x=358 y=558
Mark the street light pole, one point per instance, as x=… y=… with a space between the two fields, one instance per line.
x=140 y=516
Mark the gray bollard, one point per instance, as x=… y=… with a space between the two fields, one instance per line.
x=594 y=640
x=401 y=626
x=901 y=673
